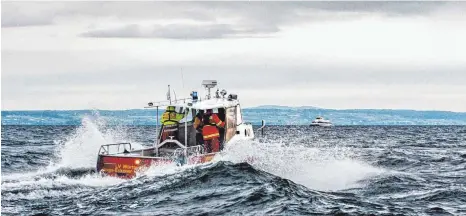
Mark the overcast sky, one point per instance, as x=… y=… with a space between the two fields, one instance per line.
x=120 y=55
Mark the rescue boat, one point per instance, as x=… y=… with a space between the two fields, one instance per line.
x=183 y=147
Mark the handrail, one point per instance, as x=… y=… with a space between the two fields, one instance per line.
x=168 y=103
x=170 y=141
x=262 y=127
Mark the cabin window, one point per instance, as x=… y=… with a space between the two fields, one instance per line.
x=239 y=115
x=188 y=118
x=220 y=112
x=178 y=131
x=221 y=115
x=231 y=123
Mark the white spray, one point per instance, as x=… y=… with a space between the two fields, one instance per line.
x=316 y=168
x=76 y=152
x=81 y=149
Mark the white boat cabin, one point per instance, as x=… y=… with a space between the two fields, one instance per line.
x=183 y=134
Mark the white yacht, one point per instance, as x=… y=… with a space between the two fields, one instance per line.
x=320 y=121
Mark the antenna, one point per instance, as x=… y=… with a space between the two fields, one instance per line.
x=182 y=78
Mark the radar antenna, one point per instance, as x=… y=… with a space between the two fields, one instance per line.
x=209 y=84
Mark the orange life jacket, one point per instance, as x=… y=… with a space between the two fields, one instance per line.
x=210 y=130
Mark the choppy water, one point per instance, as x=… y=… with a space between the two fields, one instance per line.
x=298 y=170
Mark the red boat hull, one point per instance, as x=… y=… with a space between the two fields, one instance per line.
x=127 y=167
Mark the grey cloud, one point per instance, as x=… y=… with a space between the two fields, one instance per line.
x=276 y=14
x=257 y=15
x=125 y=31
x=388 y=8
x=16 y=15
x=258 y=18
x=179 y=31
x=26 y=21
x=19 y=14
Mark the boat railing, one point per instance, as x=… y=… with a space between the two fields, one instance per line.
x=167 y=141
x=262 y=127
x=171 y=140
x=108 y=149
x=168 y=102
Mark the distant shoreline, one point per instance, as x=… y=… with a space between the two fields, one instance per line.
x=252 y=115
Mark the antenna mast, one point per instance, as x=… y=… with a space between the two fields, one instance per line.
x=169 y=98
x=182 y=78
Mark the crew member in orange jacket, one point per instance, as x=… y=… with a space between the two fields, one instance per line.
x=210 y=131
